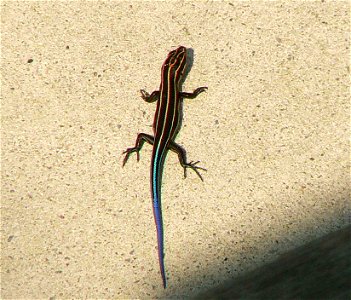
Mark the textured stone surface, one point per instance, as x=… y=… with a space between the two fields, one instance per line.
x=319 y=270
x=272 y=131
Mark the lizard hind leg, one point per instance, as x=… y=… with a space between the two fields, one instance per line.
x=141 y=139
x=182 y=160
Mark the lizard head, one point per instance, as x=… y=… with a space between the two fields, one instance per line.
x=175 y=62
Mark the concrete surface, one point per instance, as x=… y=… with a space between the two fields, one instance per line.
x=320 y=269
x=272 y=131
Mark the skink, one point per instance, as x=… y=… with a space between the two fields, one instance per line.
x=166 y=126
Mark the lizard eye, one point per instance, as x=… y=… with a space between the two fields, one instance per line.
x=172 y=61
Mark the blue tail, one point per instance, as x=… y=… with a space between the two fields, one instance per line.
x=156 y=174
x=159 y=229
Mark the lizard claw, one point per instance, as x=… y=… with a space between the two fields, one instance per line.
x=128 y=152
x=192 y=165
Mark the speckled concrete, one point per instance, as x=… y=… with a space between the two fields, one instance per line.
x=320 y=269
x=272 y=130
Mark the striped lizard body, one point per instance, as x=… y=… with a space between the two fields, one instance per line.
x=166 y=125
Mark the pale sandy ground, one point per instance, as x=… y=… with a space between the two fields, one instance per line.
x=272 y=130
